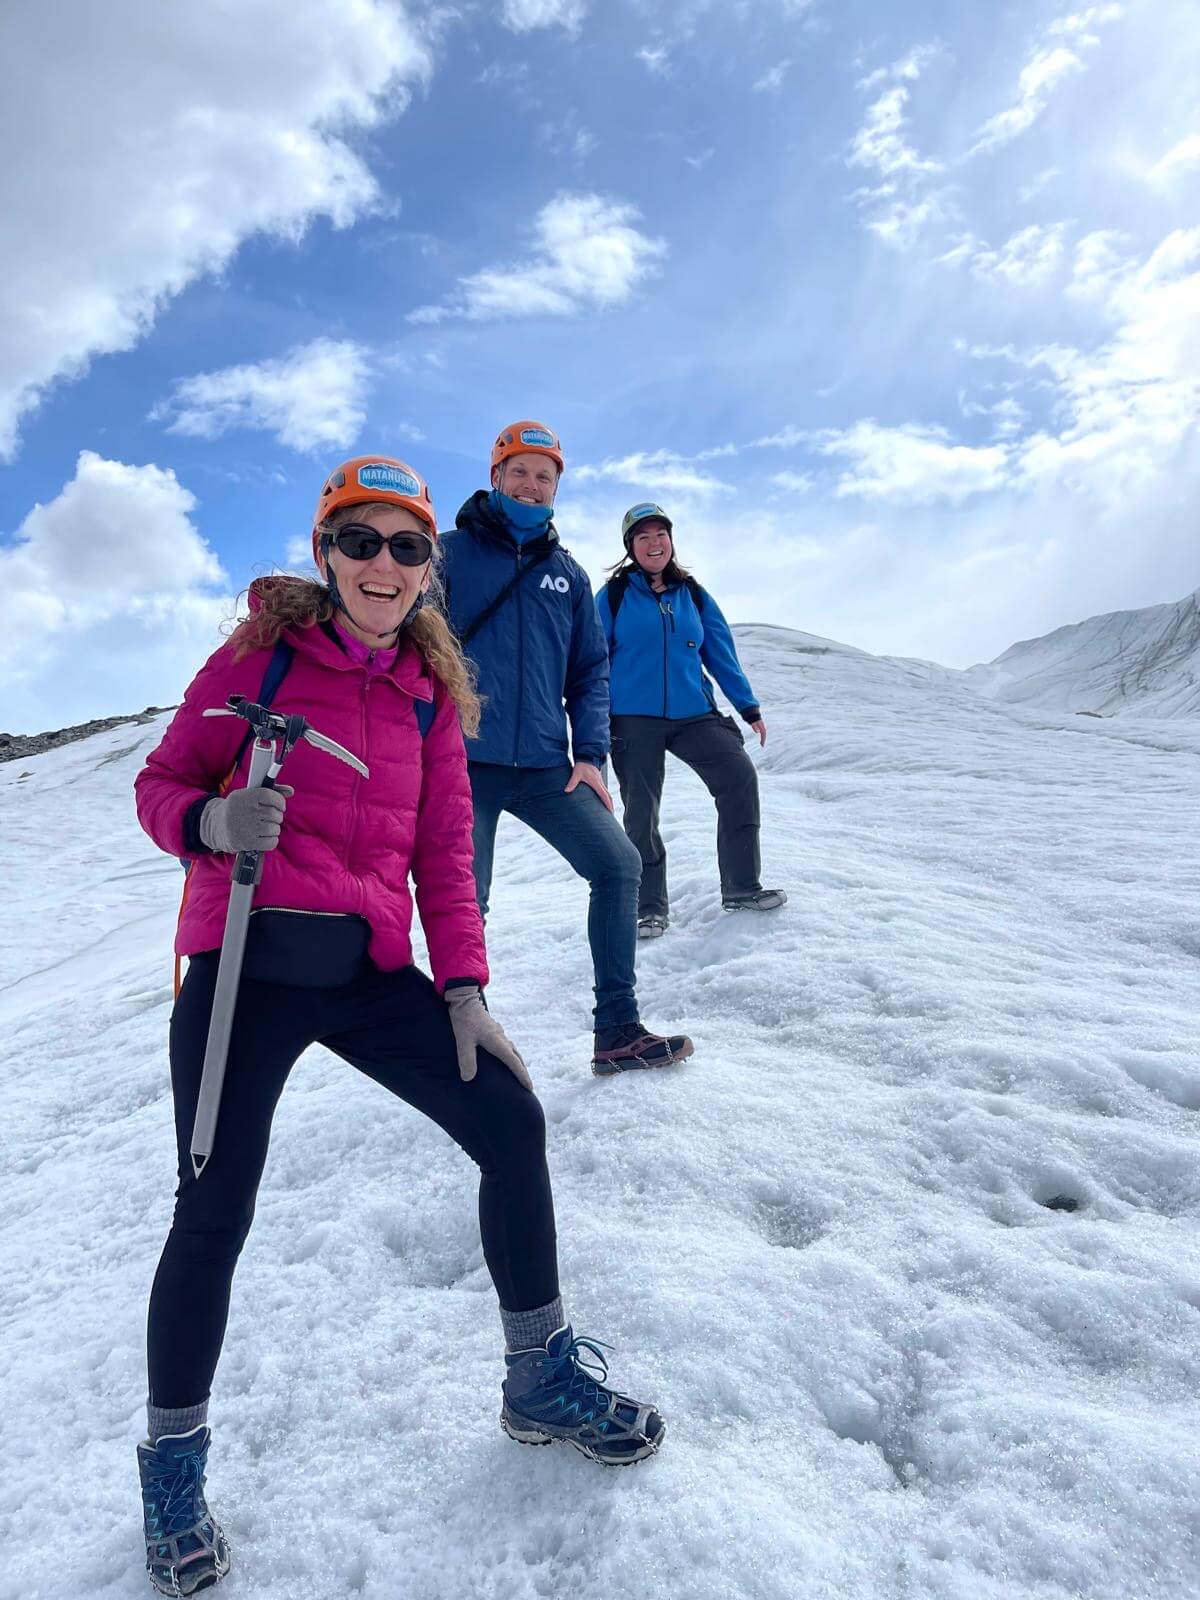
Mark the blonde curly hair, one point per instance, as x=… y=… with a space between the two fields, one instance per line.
x=288 y=601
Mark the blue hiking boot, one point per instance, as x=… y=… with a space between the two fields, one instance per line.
x=185 y=1548
x=552 y=1393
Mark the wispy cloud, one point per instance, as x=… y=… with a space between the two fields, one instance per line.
x=882 y=140
x=913 y=464
x=653 y=471
x=1028 y=258
x=897 y=209
x=1179 y=158
x=313 y=397
x=1050 y=64
x=522 y=16
x=587 y=252
x=772 y=81
x=656 y=59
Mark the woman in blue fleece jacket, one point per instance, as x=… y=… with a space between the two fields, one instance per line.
x=663 y=631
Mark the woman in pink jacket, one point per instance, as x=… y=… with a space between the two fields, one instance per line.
x=373 y=666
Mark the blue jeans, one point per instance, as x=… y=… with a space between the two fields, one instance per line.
x=591 y=840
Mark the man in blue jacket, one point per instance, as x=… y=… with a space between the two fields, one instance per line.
x=522 y=607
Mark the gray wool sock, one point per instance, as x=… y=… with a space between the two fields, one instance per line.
x=160 y=1419
x=526 y=1330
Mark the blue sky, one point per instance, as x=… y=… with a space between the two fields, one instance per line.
x=897 y=310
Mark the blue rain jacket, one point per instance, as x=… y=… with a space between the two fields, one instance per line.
x=542 y=659
x=659 y=648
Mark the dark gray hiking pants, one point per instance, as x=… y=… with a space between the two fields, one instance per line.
x=712 y=746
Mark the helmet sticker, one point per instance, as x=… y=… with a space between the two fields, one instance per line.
x=538 y=436
x=380 y=475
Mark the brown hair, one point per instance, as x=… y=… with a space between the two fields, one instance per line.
x=287 y=601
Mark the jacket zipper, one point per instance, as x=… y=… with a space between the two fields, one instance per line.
x=296 y=911
x=664 y=607
x=520 y=666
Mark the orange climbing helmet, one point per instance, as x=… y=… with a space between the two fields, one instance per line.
x=520 y=437
x=375 y=478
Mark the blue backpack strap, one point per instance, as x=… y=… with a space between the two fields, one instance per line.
x=277 y=670
x=426 y=711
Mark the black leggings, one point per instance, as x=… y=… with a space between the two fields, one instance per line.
x=394 y=1027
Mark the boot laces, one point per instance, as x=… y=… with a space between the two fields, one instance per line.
x=581 y=1373
x=177 y=1490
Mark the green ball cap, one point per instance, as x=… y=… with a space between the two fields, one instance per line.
x=642 y=513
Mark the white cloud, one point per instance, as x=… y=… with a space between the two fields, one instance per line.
x=655 y=59
x=586 y=253
x=522 y=16
x=772 y=81
x=298 y=552
x=1082 y=21
x=311 y=398
x=1030 y=191
x=653 y=472
x=793 y=482
x=1179 y=158
x=913 y=464
x=107 y=598
x=899 y=208
x=1049 y=65
x=1029 y=258
x=147 y=158
x=1043 y=72
x=1129 y=409
x=882 y=141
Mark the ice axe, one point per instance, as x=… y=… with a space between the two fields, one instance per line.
x=275 y=736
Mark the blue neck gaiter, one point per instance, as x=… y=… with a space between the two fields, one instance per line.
x=522 y=521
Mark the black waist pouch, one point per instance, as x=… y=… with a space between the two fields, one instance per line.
x=306 y=949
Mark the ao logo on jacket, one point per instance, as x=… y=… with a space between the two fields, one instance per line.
x=562 y=585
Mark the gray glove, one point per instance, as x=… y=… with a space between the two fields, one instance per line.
x=247 y=819
x=474 y=1026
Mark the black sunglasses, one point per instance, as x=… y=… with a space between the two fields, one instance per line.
x=360 y=543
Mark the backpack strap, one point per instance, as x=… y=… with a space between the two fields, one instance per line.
x=615 y=590
x=490 y=610
x=282 y=657
x=277 y=670
x=694 y=589
x=426 y=711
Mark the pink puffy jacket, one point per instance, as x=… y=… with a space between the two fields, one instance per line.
x=348 y=843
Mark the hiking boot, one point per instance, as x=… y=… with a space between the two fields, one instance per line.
x=628 y=1046
x=652 y=927
x=553 y=1392
x=185 y=1547
x=760 y=900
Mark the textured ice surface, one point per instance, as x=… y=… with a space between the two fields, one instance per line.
x=826 y=1246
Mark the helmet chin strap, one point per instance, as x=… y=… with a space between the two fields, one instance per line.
x=335 y=594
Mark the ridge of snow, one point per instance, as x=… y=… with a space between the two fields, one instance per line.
x=824 y=1246
x=1144 y=663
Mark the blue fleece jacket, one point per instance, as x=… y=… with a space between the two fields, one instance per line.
x=659 y=647
x=541 y=659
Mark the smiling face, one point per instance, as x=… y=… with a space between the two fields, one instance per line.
x=651 y=545
x=378 y=594
x=530 y=477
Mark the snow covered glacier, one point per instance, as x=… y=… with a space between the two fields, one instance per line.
x=908 y=1253
x=1145 y=663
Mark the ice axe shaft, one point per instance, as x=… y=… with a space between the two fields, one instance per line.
x=265 y=762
